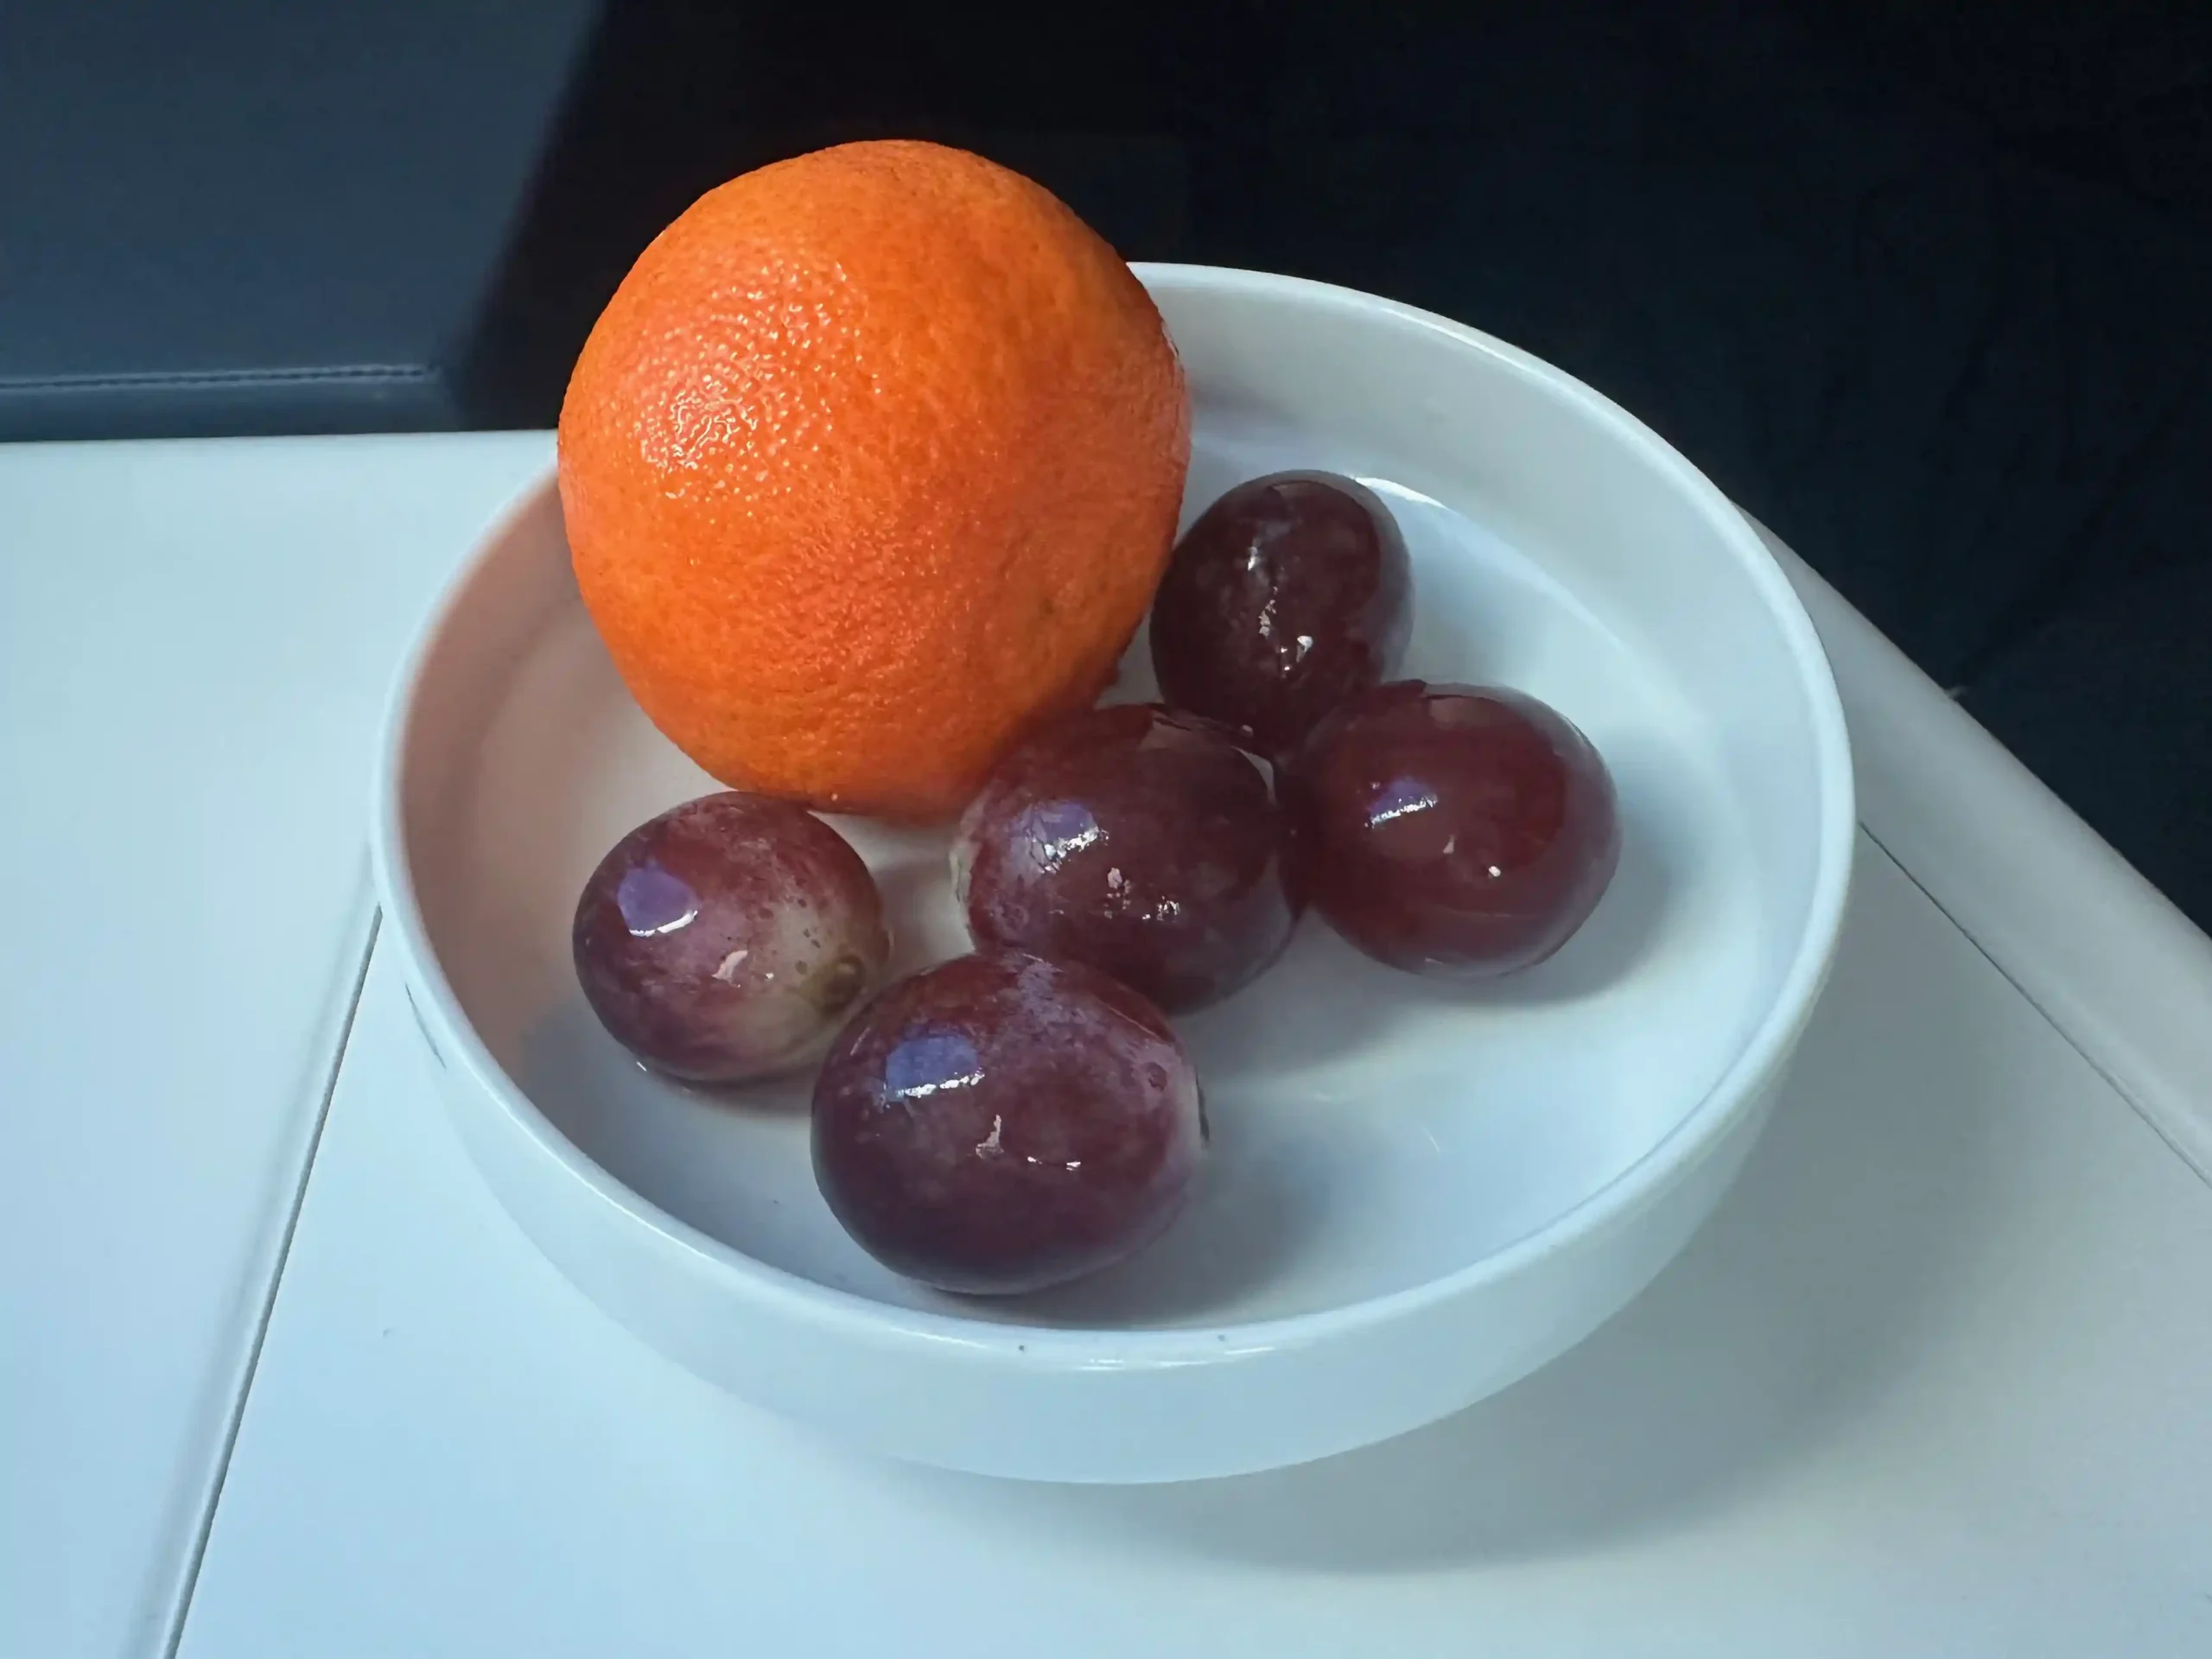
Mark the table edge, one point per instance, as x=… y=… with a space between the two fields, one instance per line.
x=2101 y=953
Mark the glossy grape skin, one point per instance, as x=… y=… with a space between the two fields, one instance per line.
x=1142 y=841
x=999 y=1123
x=1289 y=594
x=723 y=940
x=1454 y=830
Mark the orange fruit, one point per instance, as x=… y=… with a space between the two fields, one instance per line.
x=871 y=464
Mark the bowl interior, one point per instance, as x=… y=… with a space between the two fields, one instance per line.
x=1373 y=1132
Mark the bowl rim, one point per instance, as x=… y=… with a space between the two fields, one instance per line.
x=1047 y=1348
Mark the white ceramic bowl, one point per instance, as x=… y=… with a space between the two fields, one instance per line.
x=1417 y=1193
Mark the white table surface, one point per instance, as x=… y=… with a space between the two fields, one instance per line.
x=194 y=644
x=1931 y=1381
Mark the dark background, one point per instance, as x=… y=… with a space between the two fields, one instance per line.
x=1927 y=287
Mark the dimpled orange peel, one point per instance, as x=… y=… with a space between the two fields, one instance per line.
x=870 y=466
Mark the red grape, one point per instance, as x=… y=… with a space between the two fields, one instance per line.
x=1453 y=829
x=1143 y=842
x=1289 y=594
x=1000 y=1124
x=723 y=940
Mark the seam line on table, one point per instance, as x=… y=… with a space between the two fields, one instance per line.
x=2149 y=1120
x=205 y=1531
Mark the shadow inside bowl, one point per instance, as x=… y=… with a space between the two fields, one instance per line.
x=1816 y=1279
x=1347 y=1003
x=1256 y=1222
x=1321 y=1147
x=1631 y=920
